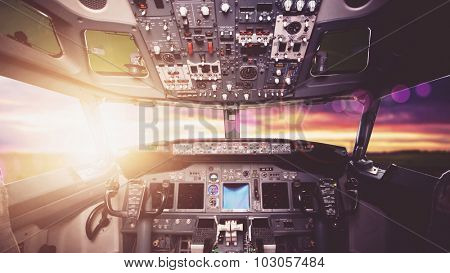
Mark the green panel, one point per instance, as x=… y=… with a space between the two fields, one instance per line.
x=347 y=51
x=112 y=53
x=28 y=26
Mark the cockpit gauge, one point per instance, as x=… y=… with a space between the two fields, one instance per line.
x=213 y=177
x=213 y=190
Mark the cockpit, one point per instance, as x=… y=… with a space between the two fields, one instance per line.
x=219 y=126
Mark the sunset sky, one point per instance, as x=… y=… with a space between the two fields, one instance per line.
x=36 y=120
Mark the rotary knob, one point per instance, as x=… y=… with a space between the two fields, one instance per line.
x=156 y=49
x=312 y=5
x=300 y=4
x=205 y=11
x=287 y=5
x=225 y=7
x=183 y=11
x=288 y=81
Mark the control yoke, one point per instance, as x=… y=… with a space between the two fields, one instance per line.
x=163 y=193
x=112 y=188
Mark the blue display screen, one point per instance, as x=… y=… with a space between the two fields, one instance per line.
x=236 y=196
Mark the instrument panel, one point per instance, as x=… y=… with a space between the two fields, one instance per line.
x=227 y=51
x=232 y=188
x=226 y=207
x=235 y=196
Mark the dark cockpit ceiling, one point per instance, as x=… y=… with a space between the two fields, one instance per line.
x=234 y=52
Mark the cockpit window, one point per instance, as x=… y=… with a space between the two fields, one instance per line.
x=41 y=131
x=114 y=54
x=28 y=26
x=342 y=51
x=333 y=123
x=412 y=128
x=130 y=125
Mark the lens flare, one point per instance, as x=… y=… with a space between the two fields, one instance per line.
x=400 y=94
x=423 y=90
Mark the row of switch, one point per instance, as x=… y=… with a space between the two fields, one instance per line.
x=260 y=94
x=190 y=47
x=254 y=38
x=328 y=191
x=134 y=201
x=170 y=224
x=165 y=27
x=288 y=5
x=168 y=221
x=225 y=96
x=261 y=18
x=246 y=96
x=204 y=10
x=287 y=80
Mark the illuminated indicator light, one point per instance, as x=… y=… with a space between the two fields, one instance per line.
x=210 y=47
x=190 y=48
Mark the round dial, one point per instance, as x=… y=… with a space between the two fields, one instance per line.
x=294 y=28
x=212 y=202
x=213 y=190
x=213 y=177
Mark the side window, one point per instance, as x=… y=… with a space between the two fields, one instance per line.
x=41 y=131
x=26 y=25
x=114 y=54
x=342 y=51
x=412 y=128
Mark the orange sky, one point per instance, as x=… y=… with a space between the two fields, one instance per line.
x=36 y=120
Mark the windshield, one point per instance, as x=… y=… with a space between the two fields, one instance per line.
x=130 y=125
x=41 y=131
x=412 y=128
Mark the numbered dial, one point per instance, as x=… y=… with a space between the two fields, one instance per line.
x=213 y=190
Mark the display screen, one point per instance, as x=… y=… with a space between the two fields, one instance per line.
x=275 y=195
x=236 y=196
x=190 y=196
